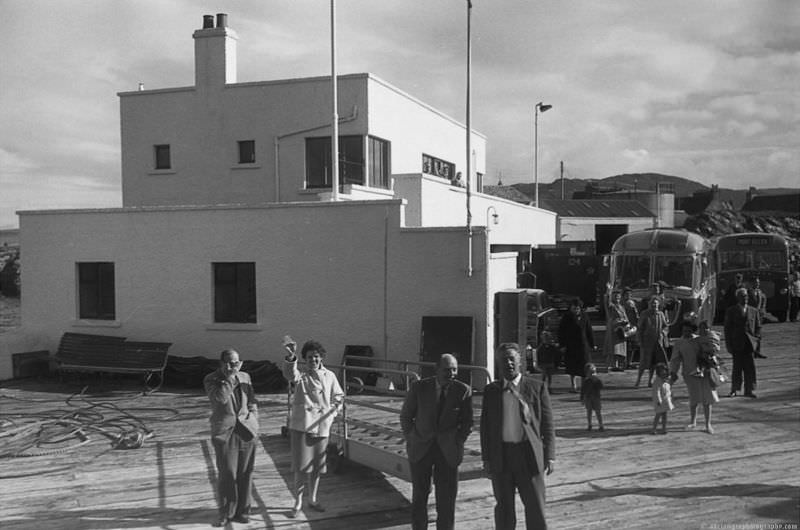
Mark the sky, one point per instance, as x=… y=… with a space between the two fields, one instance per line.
x=701 y=89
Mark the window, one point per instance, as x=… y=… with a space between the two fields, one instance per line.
x=96 y=291
x=632 y=271
x=235 y=292
x=676 y=271
x=318 y=161
x=378 y=163
x=247 y=151
x=438 y=168
x=735 y=260
x=162 y=157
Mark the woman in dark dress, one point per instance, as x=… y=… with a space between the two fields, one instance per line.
x=576 y=341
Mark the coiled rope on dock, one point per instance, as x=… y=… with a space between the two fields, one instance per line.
x=61 y=431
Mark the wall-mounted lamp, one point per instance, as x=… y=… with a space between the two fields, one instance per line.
x=495 y=217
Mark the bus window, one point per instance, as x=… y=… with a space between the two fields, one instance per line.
x=734 y=260
x=765 y=260
x=676 y=271
x=632 y=271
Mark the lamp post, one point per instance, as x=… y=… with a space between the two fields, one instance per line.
x=540 y=107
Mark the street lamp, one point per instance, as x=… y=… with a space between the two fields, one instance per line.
x=540 y=107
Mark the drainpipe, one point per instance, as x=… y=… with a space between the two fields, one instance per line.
x=278 y=138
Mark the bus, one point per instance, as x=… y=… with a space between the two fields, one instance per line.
x=682 y=262
x=754 y=255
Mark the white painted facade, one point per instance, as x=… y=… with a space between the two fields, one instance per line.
x=363 y=270
x=583 y=228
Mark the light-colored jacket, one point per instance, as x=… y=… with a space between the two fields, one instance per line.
x=316 y=399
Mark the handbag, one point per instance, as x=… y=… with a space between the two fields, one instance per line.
x=713 y=378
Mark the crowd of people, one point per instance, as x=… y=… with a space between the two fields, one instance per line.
x=517 y=433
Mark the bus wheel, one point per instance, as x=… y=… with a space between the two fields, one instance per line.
x=781 y=315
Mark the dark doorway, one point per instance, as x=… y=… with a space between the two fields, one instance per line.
x=605 y=235
x=447 y=335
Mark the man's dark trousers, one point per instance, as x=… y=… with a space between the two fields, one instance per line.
x=445 y=478
x=235 y=462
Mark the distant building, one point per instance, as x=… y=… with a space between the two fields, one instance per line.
x=598 y=221
x=228 y=236
x=786 y=204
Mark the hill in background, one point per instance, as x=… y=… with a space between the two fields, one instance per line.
x=683 y=187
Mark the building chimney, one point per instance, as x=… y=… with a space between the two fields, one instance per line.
x=751 y=193
x=214 y=53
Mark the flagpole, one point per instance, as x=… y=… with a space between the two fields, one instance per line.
x=335 y=123
x=469 y=136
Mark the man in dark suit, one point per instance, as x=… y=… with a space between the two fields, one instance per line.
x=517 y=440
x=742 y=332
x=436 y=419
x=234 y=430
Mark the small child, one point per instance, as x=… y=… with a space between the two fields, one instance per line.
x=662 y=397
x=590 y=395
x=547 y=358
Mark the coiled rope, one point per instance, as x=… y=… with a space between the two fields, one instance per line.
x=62 y=431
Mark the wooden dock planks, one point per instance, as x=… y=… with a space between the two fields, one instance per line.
x=748 y=472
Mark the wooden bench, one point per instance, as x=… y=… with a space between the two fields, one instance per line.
x=83 y=352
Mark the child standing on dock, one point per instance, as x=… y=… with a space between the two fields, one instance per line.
x=590 y=396
x=547 y=355
x=662 y=397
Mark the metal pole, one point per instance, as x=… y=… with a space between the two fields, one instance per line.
x=335 y=124
x=469 y=135
x=536 y=155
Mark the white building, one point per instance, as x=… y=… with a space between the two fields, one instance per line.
x=228 y=238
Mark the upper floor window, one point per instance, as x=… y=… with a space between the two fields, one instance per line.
x=247 y=151
x=96 y=298
x=438 y=168
x=318 y=161
x=379 y=169
x=162 y=156
x=235 y=292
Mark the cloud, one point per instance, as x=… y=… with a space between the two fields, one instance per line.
x=704 y=90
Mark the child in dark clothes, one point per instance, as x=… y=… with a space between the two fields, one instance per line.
x=590 y=395
x=547 y=355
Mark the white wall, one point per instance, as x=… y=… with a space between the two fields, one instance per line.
x=432 y=202
x=416 y=128
x=583 y=228
x=343 y=273
x=203 y=127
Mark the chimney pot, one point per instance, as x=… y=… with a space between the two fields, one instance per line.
x=222 y=20
x=208 y=21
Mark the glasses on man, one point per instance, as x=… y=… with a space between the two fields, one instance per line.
x=233 y=363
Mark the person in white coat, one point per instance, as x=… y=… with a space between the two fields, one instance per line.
x=316 y=401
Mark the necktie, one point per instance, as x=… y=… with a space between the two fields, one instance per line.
x=509 y=388
x=236 y=395
x=442 y=397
